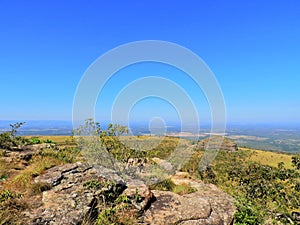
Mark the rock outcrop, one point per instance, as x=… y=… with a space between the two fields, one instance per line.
x=214 y=142
x=208 y=205
x=196 y=208
x=72 y=198
x=68 y=201
x=25 y=153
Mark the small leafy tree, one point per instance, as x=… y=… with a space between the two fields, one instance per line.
x=89 y=128
x=15 y=127
x=100 y=146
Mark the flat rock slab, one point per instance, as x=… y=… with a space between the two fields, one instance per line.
x=208 y=206
x=170 y=208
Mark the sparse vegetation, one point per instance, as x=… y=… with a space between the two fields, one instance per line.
x=266 y=185
x=118 y=208
x=11 y=203
x=262 y=192
x=16 y=177
x=91 y=184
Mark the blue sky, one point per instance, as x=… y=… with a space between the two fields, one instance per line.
x=252 y=47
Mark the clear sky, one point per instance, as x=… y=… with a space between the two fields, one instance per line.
x=253 y=48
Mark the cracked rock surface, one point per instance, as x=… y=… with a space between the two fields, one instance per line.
x=67 y=201
x=194 y=208
x=207 y=206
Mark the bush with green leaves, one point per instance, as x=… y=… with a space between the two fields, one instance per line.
x=3 y=177
x=91 y=184
x=48 y=141
x=9 y=140
x=35 y=140
x=247 y=213
x=103 y=147
x=262 y=185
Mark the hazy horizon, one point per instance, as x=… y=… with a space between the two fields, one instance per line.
x=274 y=137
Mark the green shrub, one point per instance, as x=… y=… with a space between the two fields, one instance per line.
x=92 y=184
x=297 y=186
x=68 y=155
x=48 y=141
x=35 y=140
x=296 y=162
x=247 y=213
x=3 y=177
x=7 y=140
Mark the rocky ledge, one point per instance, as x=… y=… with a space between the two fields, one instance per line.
x=66 y=200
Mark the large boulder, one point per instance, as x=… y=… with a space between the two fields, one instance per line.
x=207 y=206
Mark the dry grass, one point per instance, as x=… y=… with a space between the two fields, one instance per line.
x=23 y=181
x=269 y=158
x=4 y=167
x=169 y=185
